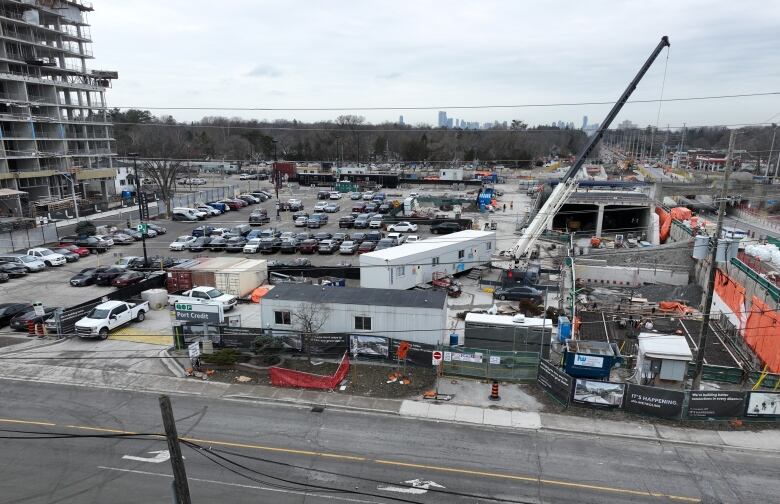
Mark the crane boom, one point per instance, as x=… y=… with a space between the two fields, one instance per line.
x=568 y=183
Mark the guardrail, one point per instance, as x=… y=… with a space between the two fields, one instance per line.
x=773 y=290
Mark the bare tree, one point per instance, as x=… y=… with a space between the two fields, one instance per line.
x=164 y=173
x=308 y=319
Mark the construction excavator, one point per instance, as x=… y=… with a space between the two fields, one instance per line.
x=568 y=183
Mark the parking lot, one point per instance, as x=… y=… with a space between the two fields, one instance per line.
x=52 y=288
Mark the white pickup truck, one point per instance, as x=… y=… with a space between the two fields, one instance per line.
x=204 y=295
x=107 y=316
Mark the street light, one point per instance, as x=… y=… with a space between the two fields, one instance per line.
x=137 y=182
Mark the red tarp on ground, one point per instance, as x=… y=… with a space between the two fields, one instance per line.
x=675 y=307
x=681 y=213
x=298 y=379
x=732 y=293
x=762 y=334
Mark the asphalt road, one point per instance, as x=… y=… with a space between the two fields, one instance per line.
x=346 y=452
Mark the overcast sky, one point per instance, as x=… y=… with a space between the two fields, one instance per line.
x=344 y=53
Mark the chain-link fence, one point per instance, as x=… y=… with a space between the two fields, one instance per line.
x=490 y=364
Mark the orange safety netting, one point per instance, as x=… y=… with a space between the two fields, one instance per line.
x=762 y=334
x=732 y=293
x=665 y=223
x=681 y=213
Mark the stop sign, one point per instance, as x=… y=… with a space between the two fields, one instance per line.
x=436 y=357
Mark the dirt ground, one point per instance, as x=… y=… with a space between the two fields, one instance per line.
x=364 y=379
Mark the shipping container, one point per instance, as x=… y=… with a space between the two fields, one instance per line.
x=287 y=169
x=180 y=277
x=241 y=279
x=201 y=273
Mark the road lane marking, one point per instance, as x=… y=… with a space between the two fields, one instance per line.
x=27 y=422
x=273 y=449
x=545 y=481
x=159 y=456
x=100 y=429
x=241 y=485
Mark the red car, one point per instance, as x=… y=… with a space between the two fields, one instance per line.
x=241 y=203
x=81 y=251
x=129 y=278
x=231 y=204
x=308 y=246
x=366 y=246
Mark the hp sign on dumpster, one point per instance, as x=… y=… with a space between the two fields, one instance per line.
x=199 y=313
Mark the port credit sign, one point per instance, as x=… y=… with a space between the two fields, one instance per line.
x=198 y=313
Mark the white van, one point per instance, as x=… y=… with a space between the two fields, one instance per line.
x=191 y=213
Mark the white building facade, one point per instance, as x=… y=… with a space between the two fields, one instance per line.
x=412 y=264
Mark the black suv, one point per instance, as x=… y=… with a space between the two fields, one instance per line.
x=445 y=228
x=259 y=216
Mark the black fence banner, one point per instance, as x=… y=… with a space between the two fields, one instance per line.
x=554 y=381
x=652 y=401
x=419 y=353
x=239 y=337
x=599 y=393
x=763 y=404
x=327 y=344
x=363 y=345
x=716 y=404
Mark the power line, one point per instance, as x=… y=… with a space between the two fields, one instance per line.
x=456 y=107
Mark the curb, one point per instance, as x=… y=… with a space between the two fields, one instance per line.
x=310 y=404
x=33 y=347
x=172 y=364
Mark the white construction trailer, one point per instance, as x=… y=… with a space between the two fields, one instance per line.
x=412 y=264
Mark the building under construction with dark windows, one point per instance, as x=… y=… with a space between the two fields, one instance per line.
x=57 y=143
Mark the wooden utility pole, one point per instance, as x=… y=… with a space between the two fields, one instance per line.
x=181 y=489
x=705 y=323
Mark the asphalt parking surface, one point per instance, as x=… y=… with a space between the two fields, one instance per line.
x=51 y=286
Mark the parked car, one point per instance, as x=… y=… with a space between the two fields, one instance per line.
x=323 y=195
x=269 y=245
x=235 y=244
x=209 y=210
x=361 y=222
x=332 y=208
x=108 y=276
x=368 y=196
x=69 y=256
x=106 y=238
x=129 y=278
x=259 y=195
x=200 y=244
x=323 y=236
x=81 y=251
x=87 y=276
x=31 y=264
x=90 y=243
x=412 y=239
x=516 y=293
x=359 y=207
x=371 y=207
x=289 y=246
x=355 y=196
x=335 y=195
x=48 y=256
x=357 y=237
x=398 y=237
x=160 y=230
x=309 y=246
x=347 y=221
x=184 y=216
x=222 y=207
x=132 y=233
x=182 y=242
x=301 y=221
x=249 y=198
x=327 y=247
x=375 y=222
x=202 y=231
x=108 y=316
x=403 y=227
x=20 y=321
x=247 y=176
x=12 y=269
x=348 y=247
x=314 y=222
x=240 y=230
x=366 y=246
x=218 y=243
x=122 y=239
x=373 y=236
x=295 y=205
x=231 y=204
x=320 y=207
x=252 y=246
x=445 y=228
x=385 y=243
x=11 y=310
x=340 y=237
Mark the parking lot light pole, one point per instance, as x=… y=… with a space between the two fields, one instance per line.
x=134 y=155
x=276 y=171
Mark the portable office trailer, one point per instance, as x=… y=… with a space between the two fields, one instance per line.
x=240 y=280
x=412 y=264
x=203 y=273
x=508 y=333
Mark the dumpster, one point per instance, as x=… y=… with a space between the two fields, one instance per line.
x=590 y=359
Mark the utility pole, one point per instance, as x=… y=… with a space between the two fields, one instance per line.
x=771 y=148
x=134 y=155
x=705 y=323
x=181 y=488
x=276 y=171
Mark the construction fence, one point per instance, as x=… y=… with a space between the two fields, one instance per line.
x=489 y=364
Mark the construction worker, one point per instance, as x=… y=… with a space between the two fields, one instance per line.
x=504 y=207
x=511 y=205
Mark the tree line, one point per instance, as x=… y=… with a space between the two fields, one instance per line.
x=348 y=138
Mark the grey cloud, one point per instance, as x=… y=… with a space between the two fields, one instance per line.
x=389 y=76
x=264 y=71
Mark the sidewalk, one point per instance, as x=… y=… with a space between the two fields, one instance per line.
x=492 y=417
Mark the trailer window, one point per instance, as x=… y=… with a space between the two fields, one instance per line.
x=282 y=317
x=435 y=261
x=461 y=253
x=488 y=246
x=400 y=271
x=362 y=323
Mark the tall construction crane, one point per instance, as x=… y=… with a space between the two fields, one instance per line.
x=568 y=183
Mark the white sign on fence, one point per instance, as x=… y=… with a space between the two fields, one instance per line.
x=588 y=360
